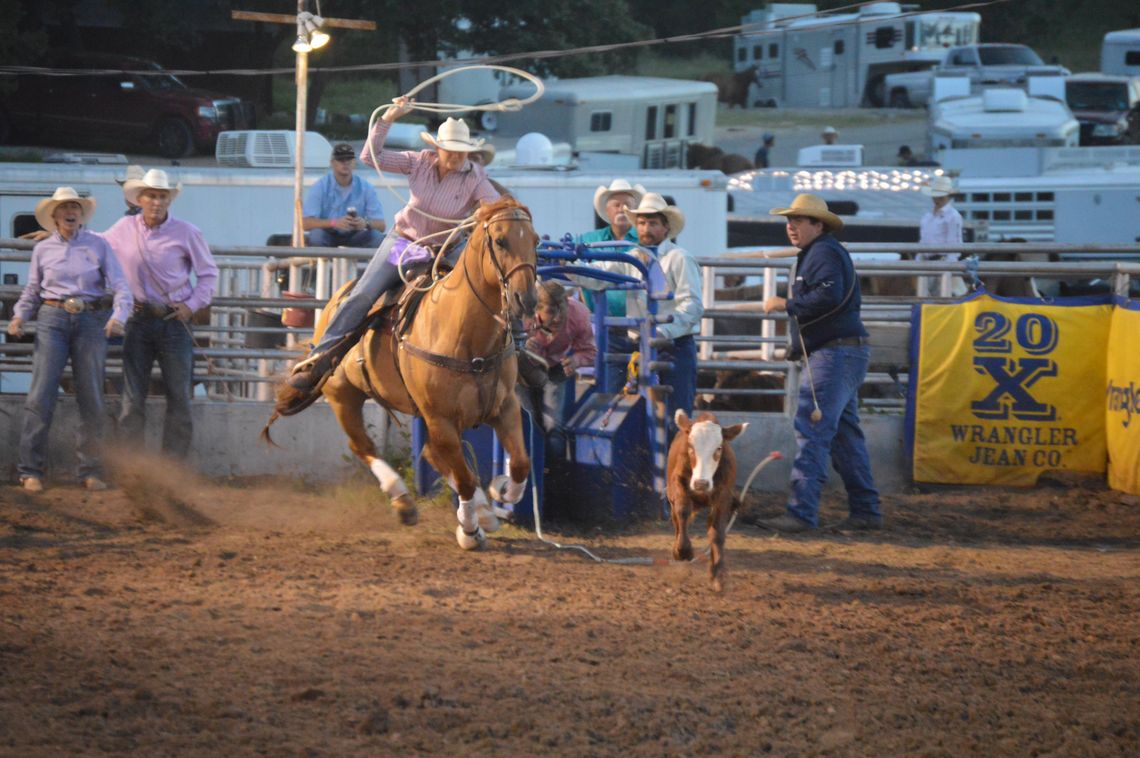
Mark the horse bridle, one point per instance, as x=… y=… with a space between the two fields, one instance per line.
x=512 y=214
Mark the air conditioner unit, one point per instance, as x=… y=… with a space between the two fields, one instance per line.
x=270 y=148
x=102 y=159
x=846 y=156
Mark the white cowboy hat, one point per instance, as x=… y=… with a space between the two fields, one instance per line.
x=830 y=130
x=156 y=178
x=488 y=153
x=617 y=187
x=652 y=203
x=811 y=206
x=46 y=207
x=134 y=173
x=453 y=135
x=938 y=186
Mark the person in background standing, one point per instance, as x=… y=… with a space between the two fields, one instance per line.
x=761 y=160
x=830 y=135
x=68 y=278
x=941 y=225
x=172 y=274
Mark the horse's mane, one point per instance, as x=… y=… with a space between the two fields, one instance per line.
x=488 y=209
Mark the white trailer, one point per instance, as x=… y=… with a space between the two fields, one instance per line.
x=651 y=118
x=1120 y=53
x=803 y=59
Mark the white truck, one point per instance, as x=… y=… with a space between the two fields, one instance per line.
x=985 y=65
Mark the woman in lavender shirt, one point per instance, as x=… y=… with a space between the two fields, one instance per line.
x=444 y=186
x=68 y=279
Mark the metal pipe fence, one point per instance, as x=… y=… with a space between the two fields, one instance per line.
x=246 y=343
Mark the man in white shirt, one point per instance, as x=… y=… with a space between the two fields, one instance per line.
x=941 y=225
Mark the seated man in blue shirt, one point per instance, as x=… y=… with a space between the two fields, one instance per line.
x=342 y=210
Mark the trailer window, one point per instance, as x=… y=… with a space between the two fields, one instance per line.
x=691 y=129
x=757 y=52
x=670 y=129
x=601 y=121
x=839 y=47
x=1132 y=58
x=741 y=55
x=651 y=122
x=774 y=50
x=909 y=35
x=884 y=37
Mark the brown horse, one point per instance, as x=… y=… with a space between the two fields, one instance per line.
x=455 y=366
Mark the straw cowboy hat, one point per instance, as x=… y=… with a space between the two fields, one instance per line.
x=453 y=135
x=603 y=194
x=653 y=203
x=938 y=186
x=487 y=151
x=811 y=206
x=156 y=178
x=134 y=173
x=46 y=207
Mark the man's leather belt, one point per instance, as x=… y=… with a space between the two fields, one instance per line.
x=845 y=342
x=79 y=305
x=157 y=310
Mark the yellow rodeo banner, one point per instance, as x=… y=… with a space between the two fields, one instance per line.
x=1003 y=390
x=1122 y=400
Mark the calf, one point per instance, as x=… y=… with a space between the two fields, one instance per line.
x=701 y=474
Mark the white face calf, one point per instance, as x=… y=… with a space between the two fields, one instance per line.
x=706 y=442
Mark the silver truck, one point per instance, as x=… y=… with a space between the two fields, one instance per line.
x=986 y=65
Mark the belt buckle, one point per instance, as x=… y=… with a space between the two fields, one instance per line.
x=74 y=305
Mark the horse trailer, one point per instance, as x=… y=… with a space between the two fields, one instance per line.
x=650 y=118
x=1120 y=53
x=804 y=59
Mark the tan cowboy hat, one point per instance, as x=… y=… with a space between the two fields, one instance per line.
x=156 y=178
x=134 y=173
x=487 y=151
x=617 y=187
x=653 y=203
x=938 y=186
x=811 y=206
x=46 y=207
x=453 y=135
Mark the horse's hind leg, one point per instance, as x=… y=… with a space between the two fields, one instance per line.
x=348 y=404
x=444 y=451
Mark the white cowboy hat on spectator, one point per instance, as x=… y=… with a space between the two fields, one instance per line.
x=46 y=207
x=603 y=194
x=653 y=203
x=156 y=178
x=830 y=130
x=938 y=186
x=453 y=135
x=134 y=173
x=811 y=206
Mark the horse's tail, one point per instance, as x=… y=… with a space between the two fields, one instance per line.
x=265 y=430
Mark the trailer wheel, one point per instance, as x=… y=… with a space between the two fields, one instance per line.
x=174 y=139
x=899 y=99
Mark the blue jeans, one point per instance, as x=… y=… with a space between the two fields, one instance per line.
x=333 y=238
x=683 y=376
x=61 y=336
x=148 y=338
x=379 y=277
x=838 y=372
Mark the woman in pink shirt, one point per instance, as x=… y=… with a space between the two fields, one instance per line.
x=444 y=185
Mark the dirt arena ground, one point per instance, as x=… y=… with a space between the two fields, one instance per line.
x=176 y=616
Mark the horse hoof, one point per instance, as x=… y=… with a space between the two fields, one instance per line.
x=467 y=541
x=406 y=510
x=486 y=517
x=500 y=489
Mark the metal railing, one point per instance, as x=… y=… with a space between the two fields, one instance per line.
x=245 y=345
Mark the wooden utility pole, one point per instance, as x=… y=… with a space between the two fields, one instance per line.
x=302 y=81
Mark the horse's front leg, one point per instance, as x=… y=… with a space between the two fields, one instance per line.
x=444 y=451
x=347 y=402
x=508 y=426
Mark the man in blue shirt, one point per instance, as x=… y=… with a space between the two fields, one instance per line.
x=343 y=210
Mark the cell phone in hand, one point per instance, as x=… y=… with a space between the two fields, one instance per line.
x=351 y=213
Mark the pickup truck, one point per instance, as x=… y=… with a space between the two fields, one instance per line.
x=986 y=65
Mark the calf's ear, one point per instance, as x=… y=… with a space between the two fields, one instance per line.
x=732 y=432
x=682 y=420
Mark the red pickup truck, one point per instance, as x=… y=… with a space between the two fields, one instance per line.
x=118 y=100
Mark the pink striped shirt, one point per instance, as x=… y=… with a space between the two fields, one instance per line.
x=455 y=197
